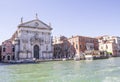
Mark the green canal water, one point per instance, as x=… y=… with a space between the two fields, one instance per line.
x=106 y=70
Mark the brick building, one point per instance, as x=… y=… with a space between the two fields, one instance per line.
x=83 y=43
x=73 y=46
x=7 y=51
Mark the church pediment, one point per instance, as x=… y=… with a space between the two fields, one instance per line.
x=35 y=24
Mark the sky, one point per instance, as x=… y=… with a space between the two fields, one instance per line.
x=67 y=17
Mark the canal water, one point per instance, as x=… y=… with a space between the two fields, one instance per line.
x=106 y=70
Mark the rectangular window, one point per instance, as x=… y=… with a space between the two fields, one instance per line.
x=46 y=48
x=4 y=49
x=101 y=47
x=76 y=46
x=80 y=46
x=13 y=49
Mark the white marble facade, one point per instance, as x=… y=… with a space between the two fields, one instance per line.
x=33 y=40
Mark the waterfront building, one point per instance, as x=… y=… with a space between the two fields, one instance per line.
x=7 y=51
x=32 y=40
x=82 y=44
x=74 y=46
x=111 y=44
x=62 y=48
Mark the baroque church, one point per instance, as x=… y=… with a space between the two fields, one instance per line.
x=32 y=40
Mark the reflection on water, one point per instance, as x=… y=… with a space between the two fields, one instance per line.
x=106 y=70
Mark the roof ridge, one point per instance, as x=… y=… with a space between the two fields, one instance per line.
x=32 y=21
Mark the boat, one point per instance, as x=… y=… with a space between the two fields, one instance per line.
x=64 y=59
x=88 y=57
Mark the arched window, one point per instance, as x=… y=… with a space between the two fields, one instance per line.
x=3 y=57
x=8 y=57
x=13 y=49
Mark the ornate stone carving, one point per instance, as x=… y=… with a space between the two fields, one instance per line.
x=35 y=39
x=24 y=41
x=47 y=41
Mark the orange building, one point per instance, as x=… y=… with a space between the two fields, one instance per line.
x=73 y=46
x=83 y=43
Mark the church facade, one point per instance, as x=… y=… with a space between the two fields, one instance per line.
x=33 y=40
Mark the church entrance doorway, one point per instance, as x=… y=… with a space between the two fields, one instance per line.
x=36 y=51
